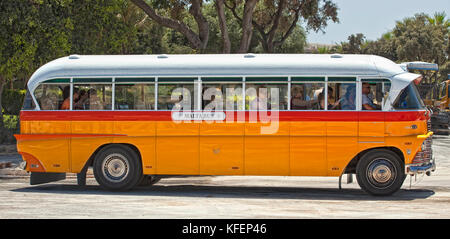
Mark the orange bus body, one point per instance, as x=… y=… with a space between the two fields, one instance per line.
x=308 y=143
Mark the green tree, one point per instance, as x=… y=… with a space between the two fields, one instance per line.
x=31 y=32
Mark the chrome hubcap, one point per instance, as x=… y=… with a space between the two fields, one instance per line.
x=381 y=173
x=115 y=167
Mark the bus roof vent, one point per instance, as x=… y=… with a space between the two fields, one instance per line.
x=163 y=56
x=249 y=55
x=72 y=57
x=336 y=56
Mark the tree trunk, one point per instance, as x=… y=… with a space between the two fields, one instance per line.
x=223 y=26
x=197 y=41
x=202 y=23
x=247 y=26
x=2 y=84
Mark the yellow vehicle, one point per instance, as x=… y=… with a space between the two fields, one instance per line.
x=134 y=118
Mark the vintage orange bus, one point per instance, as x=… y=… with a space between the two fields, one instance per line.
x=134 y=118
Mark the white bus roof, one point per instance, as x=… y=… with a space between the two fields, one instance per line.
x=215 y=65
x=223 y=65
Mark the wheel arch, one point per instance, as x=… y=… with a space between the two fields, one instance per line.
x=90 y=161
x=351 y=166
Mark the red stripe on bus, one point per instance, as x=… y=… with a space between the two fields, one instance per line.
x=20 y=137
x=167 y=115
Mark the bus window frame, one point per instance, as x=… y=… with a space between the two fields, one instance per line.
x=148 y=83
x=194 y=81
x=294 y=82
x=36 y=102
x=383 y=81
x=197 y=81
x=357 y=83
x=223 y=93
x=72 y=84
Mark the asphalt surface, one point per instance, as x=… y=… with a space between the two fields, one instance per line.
x=229 y=197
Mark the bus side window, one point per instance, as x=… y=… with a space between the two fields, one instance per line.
x=28 y=103
x=176 y=96
x=373 y=93
x=341 y=96
x=305 y=96
x=258 y=96
x=222 y=96
x=92 y=97
x=134 y=96
x=52 y=96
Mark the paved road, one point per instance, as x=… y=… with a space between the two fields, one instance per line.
x=232 y=197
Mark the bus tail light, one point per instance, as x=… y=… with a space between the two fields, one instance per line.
x=33 y=164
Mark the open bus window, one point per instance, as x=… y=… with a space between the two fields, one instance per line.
x=52 y=96
x=373 y=94
x=259 y=96
x=92 y=97
x=409 y=99
x=134 y=96
x=305 y=96
x=341 y=96
x=222 y=96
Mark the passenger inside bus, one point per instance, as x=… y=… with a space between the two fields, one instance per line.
x=94 y=101
x=331 y=106
x=367 y=102
x=301 y=102
x=82 y=102
x=49 y=101
x=66 y=93
x=348 y=101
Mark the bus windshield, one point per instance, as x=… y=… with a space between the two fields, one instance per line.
x=409 y=99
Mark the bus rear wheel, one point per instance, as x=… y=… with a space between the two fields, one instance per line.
x=380 y=172
x=117 y=168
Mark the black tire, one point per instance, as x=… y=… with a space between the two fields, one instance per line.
x=380 y=172
x=149 y=180
x=117 y=168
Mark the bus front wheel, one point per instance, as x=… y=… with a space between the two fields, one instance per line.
x=380 y=172
x=117 y=168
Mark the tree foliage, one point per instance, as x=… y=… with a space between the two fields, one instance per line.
x=417 y=38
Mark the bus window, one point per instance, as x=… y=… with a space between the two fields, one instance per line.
x=28 y=103
x=178 y=95
x=409 y=99
x=258 y=96
x=52 y=96
x=305 y=96
x=222 y=96
x=134 y=96
x=373 y=93
x=341 y=96
x=92 y=97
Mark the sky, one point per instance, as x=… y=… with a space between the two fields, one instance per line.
x=373 y=17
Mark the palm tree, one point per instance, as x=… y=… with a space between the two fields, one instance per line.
x=439 y=19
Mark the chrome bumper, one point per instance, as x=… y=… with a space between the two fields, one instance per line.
x=413 y=169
